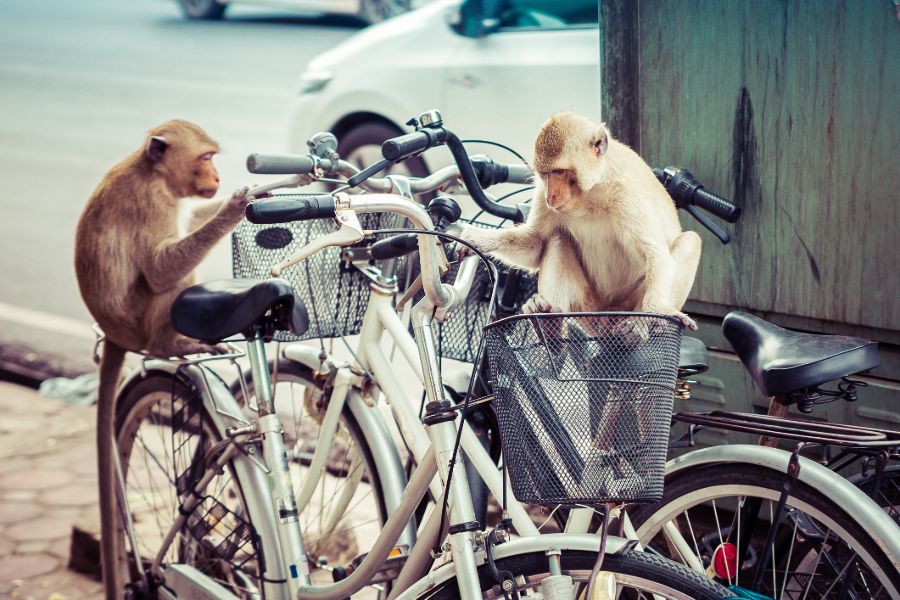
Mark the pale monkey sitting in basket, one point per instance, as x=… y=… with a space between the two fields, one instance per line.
x=602 y=234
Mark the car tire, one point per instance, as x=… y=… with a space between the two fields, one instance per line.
x=376 y=11
x=361 y=146
x=202 y=9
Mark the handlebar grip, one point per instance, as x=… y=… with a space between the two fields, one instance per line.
x=280 y=164
x=716 y=205
x=519 y=173
x=404 y=146
x=284 y=210
x=394 y=246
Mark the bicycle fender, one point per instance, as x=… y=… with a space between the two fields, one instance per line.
x=527 y=545
x=867 y=512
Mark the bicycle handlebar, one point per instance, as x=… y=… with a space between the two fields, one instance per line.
x=689 y=195
x=283 y=210
x=281 y=164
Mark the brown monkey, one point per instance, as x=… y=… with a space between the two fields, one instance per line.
x=603 y=233
x=132 y=259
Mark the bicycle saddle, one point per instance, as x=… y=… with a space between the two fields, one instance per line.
x=693 y=358
x=783 y=361
x=217 y=310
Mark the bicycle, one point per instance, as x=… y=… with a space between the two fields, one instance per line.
x=771 y=520
x=226 y=524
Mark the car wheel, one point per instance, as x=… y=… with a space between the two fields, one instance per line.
x=375 y=11
x=361 y=146
x=202 y=9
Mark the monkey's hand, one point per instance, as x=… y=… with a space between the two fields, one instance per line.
x=483 y=239
x=538 y=304
x=233 y=208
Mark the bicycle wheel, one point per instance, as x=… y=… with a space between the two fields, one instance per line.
x=342 y=517
x=165 y=440
x=888 y=494
x=638 y=575
x=818 y=551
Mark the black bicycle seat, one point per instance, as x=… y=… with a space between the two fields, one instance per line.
x=694 y=358
x=217 y=310
x=783 y=361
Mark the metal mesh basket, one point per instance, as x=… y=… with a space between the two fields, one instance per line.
x=584 y=403
x=334 y=292
x=459 y=337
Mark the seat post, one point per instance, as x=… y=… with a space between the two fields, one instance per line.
x=259 y=370
x=778 y=407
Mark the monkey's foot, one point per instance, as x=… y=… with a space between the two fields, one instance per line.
x=537 y=304
x=685 y=320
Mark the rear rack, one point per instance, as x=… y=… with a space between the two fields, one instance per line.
x=831 y=434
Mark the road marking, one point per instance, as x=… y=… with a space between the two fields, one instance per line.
x=45 y=321
x=144 y=81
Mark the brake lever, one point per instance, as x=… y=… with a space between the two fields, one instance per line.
x=706 y=222
x=349 y=232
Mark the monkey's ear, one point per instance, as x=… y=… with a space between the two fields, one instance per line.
x=156 y=148
x=600 y=141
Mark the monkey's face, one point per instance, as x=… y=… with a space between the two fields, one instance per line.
x=561 y=187
x=206 y=178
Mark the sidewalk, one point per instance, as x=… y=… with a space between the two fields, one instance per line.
x=47 y=483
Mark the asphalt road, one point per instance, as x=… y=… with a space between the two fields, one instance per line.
x=80 y=83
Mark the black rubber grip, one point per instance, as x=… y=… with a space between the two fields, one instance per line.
x=394 y=246
x=284 y=210
x=280 y=164
x=716 y=205
x=404 y=146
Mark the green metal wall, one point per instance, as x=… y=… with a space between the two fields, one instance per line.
x=790 y=108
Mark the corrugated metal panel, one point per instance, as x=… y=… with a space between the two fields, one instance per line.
x=790 y=109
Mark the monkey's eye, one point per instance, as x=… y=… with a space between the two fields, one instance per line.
x=207 y=156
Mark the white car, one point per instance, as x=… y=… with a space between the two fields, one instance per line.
x=495 y=76
x=370 y=11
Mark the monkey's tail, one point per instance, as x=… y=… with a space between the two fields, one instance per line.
x=110 y=368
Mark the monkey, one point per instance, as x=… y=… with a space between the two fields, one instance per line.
x=132 y=259
x=602 y=234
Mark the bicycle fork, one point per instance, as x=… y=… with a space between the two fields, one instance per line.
x=442 y=428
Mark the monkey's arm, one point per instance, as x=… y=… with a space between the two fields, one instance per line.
x=174 y=259
x=203 y=210
x=520 y=247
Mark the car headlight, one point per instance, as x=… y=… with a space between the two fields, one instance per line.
x=314 y=81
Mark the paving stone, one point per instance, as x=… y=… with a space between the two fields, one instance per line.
x=41 y=528
x=37 y=479
x=33 y=547
x=79 y=494
x=15 y=512
x=26 y=566
x=11 y=465
x=17 y=495
x=6 y=547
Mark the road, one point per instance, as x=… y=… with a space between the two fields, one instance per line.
x=80 y=84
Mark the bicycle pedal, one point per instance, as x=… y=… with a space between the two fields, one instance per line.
x=389 y=570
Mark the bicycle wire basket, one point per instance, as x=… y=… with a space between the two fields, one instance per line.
x=334 y=292
x=459 y=337
x=584 y=402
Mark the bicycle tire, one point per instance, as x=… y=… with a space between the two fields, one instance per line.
x=635 y=572
x=337 y=548
x=174 y=408
x=825 y=550
x=888 y=494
